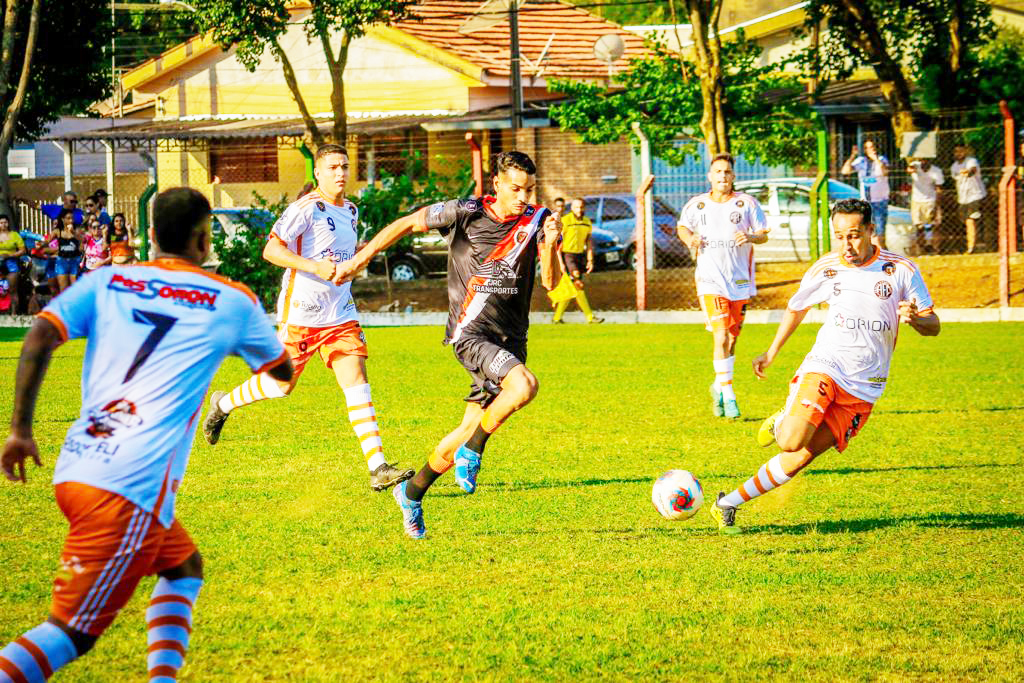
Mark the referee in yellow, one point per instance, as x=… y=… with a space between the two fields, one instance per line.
x=578 y=256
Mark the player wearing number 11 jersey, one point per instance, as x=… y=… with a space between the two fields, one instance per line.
x=157 y=332
x=869 y=292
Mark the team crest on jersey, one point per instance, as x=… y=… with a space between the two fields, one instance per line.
x=192 y=296
x=883 y=290
x=888 y=267
x=830 y=273
x=320 y=205
x=700 y=205
x=520 y=236
x=735 y=217
x=529 y=211
x=470 y=204
x=113 y=416
x=739 y=203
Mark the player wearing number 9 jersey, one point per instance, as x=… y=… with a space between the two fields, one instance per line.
x=869 y=292
x=156 y=334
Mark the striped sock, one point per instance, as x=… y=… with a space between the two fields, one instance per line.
x=770 y=476
x=169 y=621
x=256 y=388
x=34 y=657
x=723 y=377
x=364 y=421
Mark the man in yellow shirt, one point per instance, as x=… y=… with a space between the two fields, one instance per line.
x=12 y=248
x=578 y=256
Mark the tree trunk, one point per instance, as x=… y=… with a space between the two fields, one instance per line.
x=293 y=84
x=894 y=85
x=14 y=108
x=336 y=67
x=704 y=16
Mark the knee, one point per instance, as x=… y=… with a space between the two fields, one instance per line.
x=192 y=568
x=788 y=438
x=524 y=388
x=83 y=642
x=721 y=336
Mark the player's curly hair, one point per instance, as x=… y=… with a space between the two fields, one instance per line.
x=503 y=161
x=851 y=206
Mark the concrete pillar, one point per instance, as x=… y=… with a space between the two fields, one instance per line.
x=67 y=148
x=109 y=146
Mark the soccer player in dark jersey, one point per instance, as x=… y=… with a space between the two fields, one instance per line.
x=493 y=243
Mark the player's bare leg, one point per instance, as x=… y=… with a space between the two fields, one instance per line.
x=350 y=372
x=800 y=442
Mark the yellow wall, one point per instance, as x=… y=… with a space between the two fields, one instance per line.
x=192 y=169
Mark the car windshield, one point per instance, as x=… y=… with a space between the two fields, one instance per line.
x=663 y=208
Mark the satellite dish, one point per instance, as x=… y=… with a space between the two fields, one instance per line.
x=609 y=48
x=490 y=13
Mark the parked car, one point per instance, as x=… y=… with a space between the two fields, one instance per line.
x=616 y=213
x=787 y=207
x=428 y=255
x=228 y=221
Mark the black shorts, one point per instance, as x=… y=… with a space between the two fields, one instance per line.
x=487 y=363
x=574 y=262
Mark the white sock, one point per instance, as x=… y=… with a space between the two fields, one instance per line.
x=770 y=476
x=723 y=377
x=364 y=422
x=256 y=388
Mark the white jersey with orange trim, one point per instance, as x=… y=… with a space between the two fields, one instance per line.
x=723 y=268
x=157 y=332
x=316 y=229
x=854 y=346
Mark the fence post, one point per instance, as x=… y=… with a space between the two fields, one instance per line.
x=1007 y=206
x=478 y=163
x=641 y=243
x=144 y=221
x=307 y=155
x=825 y=245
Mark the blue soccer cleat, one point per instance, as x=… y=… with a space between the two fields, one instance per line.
x=731 y=409
x=717 y=402
x=412 y=513
x=467 y=466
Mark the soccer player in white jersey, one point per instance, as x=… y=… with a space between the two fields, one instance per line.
x=157 y=332
x=315 y=315
x=869 y=292
x=720 y=227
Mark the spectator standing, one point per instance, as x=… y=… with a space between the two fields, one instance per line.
x=12 y=248
x=69 y=252
x=926 y=184
x=558 y=206
x=97 y=252
x=970 y=190
x=120 y=241
x=578 y=258
x=46 y=249
x=873 y=171
x=102 y=198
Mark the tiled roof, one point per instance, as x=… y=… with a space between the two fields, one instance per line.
x=571 y=31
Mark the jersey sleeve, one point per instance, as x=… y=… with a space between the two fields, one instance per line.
x=687 y=217
x=917 y=291
x=292 y=223
x=441 y=216
x=756 y=219
x=257 y=344
x=814 y=289
x=74 y=311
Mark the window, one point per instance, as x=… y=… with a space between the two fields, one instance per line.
x=794 y=200
x=394 y=153
x=615 y=210
x=761 y=193
x=244 y=161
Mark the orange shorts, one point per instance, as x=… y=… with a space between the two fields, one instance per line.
x=723 y=314
x=111 y=545
x=301 y=343
x=816 y=398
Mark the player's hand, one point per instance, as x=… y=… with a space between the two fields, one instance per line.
x=761 y=364
x=695 y=243
x=16 y=451
x=345 y=271
x=590 y=265
x=325 y=270
x=552 y=228
x=908 y=312
x=741 y=238
x=577 y=283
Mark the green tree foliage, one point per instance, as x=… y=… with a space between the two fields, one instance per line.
x=654 y=92
x=241 y=254
x=146 y=33
x=255 y=26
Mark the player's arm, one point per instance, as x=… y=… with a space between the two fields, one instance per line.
x=926 y=325
x=278 y=253
x=391 y=233
x=550 y=262
x=689 y=237
x=42 y=338
x=790 y=321
x=590 y=253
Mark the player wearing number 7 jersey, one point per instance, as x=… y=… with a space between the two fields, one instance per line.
x=869 y=292
x=156 y=334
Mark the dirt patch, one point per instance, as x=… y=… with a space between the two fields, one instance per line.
x=959 y=281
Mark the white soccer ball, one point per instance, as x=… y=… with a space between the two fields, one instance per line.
x=677 y=495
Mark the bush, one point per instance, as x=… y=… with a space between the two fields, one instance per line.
x=241 y=255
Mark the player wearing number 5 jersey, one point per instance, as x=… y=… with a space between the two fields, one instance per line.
x=156 y=334
x=316 y=315
x=869 y=292
x=720 y=227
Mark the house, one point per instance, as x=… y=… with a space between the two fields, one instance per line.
x=414 y=87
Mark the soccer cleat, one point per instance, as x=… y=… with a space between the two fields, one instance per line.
x=596 y=321
x=725 y=516
x=412 y=513
x=766 y=434
x=559 y=321
x=388 y=475
x=730 y=409
x=467 y=466
x=718 y=403
x=215 y=419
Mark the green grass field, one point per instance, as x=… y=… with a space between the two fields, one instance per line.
x=900 y=559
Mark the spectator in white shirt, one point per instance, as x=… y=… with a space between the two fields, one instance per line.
x=873 y=171
x=926 y=183
x=970 y=190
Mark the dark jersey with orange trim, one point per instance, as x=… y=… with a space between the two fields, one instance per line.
x=491 y=267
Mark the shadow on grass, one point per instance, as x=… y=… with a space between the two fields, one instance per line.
x=901 y=468
x=856 y=526
x=506 y=486
x=937 y=411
